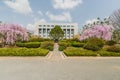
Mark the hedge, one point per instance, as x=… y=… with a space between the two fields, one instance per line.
x=28 y=44
x=111 y=43
x=23 y=52
x=61 y=48
x=63 y=45
x=113 y=49
x=47 y=45
x=94 y=44
x=38 y=39
x=77 y=44
x=106 y=53
x=71 y=51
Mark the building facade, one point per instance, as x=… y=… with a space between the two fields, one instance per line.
x=43 y=29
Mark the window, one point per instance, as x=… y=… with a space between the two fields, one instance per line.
x=52 y=25
x=64 y=25
x=68 y=25
x=72 y=31
x=40 y=31
x=48 y=25
x=40 y=25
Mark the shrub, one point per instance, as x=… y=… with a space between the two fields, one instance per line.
x=71 y=51
x=47 y=45
x=63 y=45
x=19 y=44
x=106 y=53
x=61 y=48
x=110 y=43
x=32 y=44
x=1 y=45
x=28 y=44
x=77 y=44
x=113 y=49
x=49 y=48
x=23 y=52
x=94 y=44
x=91 y=47
x=74 y=39
x=38 y=39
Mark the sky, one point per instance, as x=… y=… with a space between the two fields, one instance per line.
x=29 y=12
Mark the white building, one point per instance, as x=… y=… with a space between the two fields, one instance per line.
x=43 y=29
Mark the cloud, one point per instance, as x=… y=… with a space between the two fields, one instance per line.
x=91 y=21
x=65 y=16
x=19 y=6
x=40 y=21
x=40 y=13
x=66 y=4
x=31 y=27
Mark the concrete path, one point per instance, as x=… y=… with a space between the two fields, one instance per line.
x=55 y=55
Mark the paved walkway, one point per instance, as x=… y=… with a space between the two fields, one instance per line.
x=55 y=55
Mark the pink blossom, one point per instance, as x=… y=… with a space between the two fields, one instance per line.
x=12 y=32
x=100 y=31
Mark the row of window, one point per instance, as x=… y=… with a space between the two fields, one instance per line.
x=64 y=36
x=55 y=25
x=50 y=29
x=44 y=32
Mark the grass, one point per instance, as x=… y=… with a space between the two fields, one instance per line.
x=23 y=52
x=72 y=51
x=108 y=54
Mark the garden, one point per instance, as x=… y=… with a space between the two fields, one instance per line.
x=16 y=41
x=99 y=38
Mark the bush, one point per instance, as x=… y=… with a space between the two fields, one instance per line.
x=19 y=44
x=74 y=39
x=94 y=44
x=32 y=45
x=61 y=48
x=49 y=48
x=29 y=44
x=23 y=52
x=110 y=43
x=106 y=53
x=113 y=49
x=71 y=51
x=47 y=45
x=77 y=44
x=63 y=45
x=38 y=39
x=91 y=47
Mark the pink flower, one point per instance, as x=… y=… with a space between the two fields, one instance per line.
x=100 y=31
x=12 y=32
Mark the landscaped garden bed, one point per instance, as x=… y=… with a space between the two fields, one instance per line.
x=23 y=52
x=72 y=51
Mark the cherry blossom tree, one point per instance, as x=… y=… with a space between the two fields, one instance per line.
x=99 y=31
x=12 y=33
